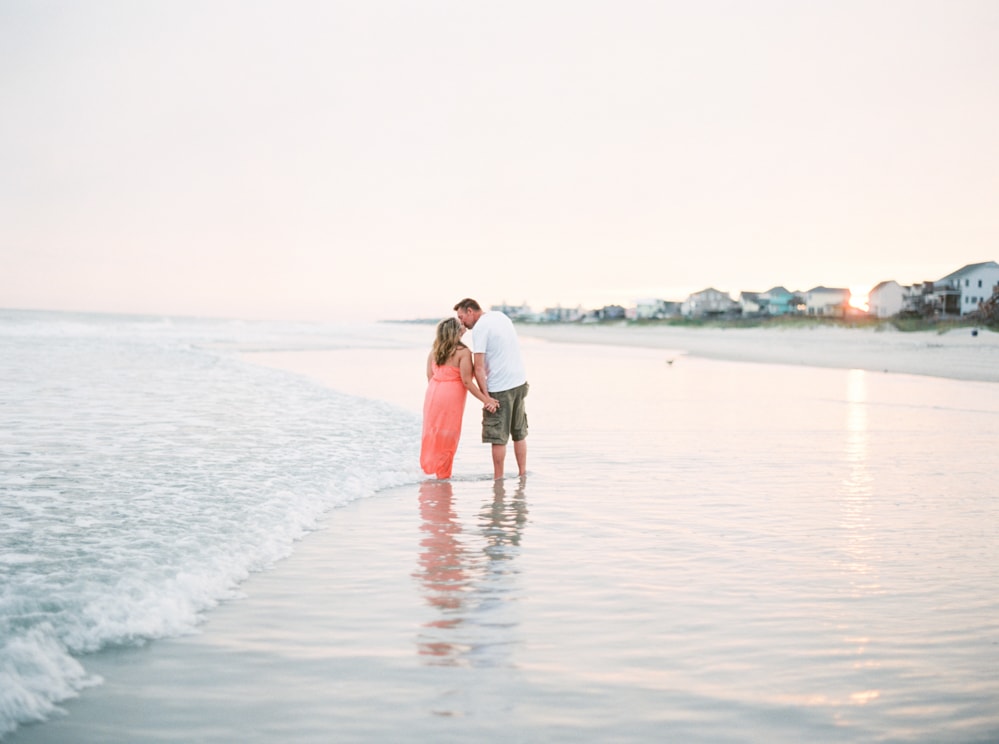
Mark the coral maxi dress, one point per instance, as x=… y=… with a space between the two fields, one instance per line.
x=443 y=407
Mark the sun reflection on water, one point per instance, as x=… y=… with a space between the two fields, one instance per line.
x=855 y=498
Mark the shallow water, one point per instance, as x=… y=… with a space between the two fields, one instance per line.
x=702 y=551
x=744 y=552
x=807 y=551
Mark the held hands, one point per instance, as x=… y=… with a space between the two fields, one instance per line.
x=492 y=406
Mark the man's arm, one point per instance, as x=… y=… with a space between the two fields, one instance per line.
x=479 y=365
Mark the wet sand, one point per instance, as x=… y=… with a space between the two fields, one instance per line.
x=702 y=551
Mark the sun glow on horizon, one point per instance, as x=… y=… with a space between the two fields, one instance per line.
x=859 y=299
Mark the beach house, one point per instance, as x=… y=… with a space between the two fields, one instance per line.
x=920 y=299
x=962 y=291
x=778 y=301
x=750 y=303
x=775 y=301
x=827 y=301
x=887 y=299
x=708 y=302
x=611 y=312
x=515 y=312
x=559 y=314
x=649 y=309
x=959 y=293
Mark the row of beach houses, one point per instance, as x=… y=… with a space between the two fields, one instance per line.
x=957 y=294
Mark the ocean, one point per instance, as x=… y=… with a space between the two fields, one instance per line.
x=146 y=470
x=703 y=550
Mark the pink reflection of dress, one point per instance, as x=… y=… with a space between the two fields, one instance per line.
x=443 y=407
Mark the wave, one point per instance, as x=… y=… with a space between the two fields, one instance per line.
x=146 y=474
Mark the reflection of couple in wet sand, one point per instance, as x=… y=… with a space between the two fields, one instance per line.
x=465 y=584
x=494 y=374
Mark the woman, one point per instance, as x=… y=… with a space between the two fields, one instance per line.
x=449 y=379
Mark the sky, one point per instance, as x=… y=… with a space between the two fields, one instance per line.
x=380 y=159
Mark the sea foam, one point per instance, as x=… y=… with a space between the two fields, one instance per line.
x=145 y=471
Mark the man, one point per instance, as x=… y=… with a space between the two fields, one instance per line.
x=499 y=370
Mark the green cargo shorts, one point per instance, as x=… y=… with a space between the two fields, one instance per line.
x=509 y=420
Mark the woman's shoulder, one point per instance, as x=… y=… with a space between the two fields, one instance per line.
x=459 y=353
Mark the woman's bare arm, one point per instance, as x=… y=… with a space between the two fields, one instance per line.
x=467 y=377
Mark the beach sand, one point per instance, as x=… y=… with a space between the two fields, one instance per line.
x=959 y=354
x=703 y=551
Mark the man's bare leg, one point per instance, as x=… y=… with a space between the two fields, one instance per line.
x=499 y=457
x=520 y=452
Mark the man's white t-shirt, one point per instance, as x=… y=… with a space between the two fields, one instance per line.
x=495 y=336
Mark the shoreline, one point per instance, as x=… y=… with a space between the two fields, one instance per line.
x=955 y=354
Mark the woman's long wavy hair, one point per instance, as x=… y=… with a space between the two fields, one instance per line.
x=448 y=339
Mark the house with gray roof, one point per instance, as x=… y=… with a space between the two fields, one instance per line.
x=778 y=301
x=708 y=302
x=750 y=303
x=962 y=291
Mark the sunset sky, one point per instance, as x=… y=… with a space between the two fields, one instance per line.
x=323 y=160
